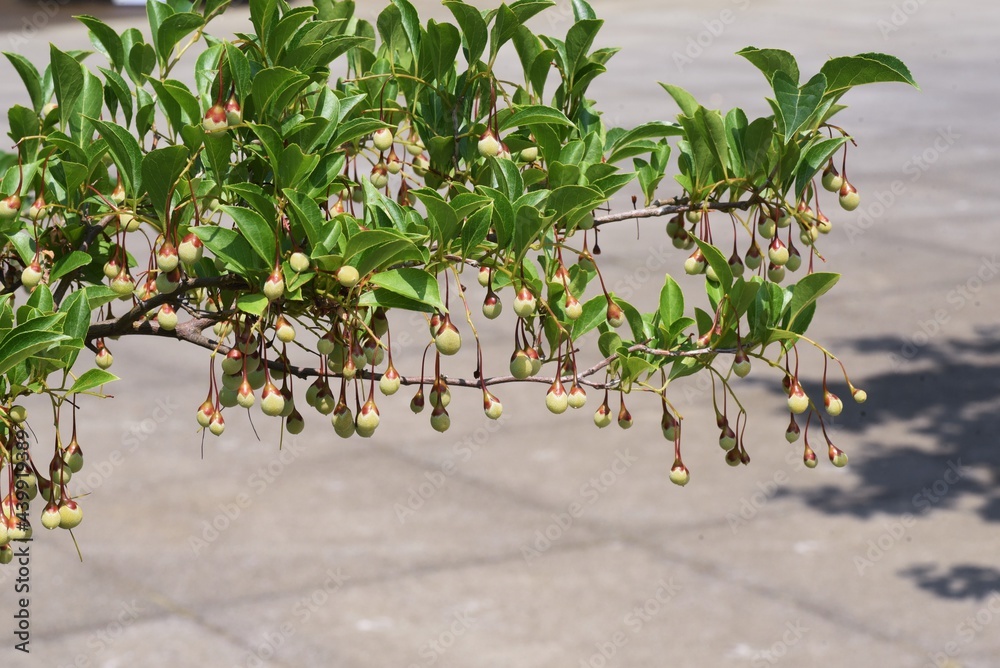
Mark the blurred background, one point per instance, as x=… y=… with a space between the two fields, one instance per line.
x=416 y=549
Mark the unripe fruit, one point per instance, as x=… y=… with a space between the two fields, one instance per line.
x=234 y=113
x=103 y=359
x=390 y=382
x=448 y=340
x=348 y=276
x=10 y=207
x=809 y=457
x=227 y=397
x=536 y=361
x=695 y=264
x=440 y=394
x=326 y=343
x=614 y=315
x=784 y=219
x=753 y=257
x=484 y=276
x=809 y=235
x=777 y=252
x=167 y=283
x=17 y=413
x=727 y=439
x=489 y=145
x=368 y=419
x=70 y=514
x=274 y=286
x=167 y=257
x=837 y=456
x=832 y=180
x=679 y=474
x=793 y=431
x=416 y=145
x=741 y=364
x=379 y=176
x=417 y=402
x=492 y=306
x=191 y=249
x=73 y=456
x=421 y=165
x=834 y=406
x=232 y=363
x=849 y=197
x=798 y=402
x=325 y=402
x=625 y=418
x=392 y=162
x=128 y=222
x=294 y=424
x=32 y=275
x=529 y=154
x=37 y=208
x=524 y=303
x=283 y=330
x=794 y=259
x=289 y=406
x=587 y=222
x=111 y=268
x=736 y=264
x=271 y=401
x=299 y=262
x=577 y=396
x=860 y=396
x=775 y=273
x=215 y=119
x=205 y=413
x=823 y=225
x=602 y=416
x=574 y=309
x=166 y=317
x=51 y=517
x=244 y=395
x=668 y=425
x=343 y=421
x=440 y=420
x=6 y=554
x=383 y=139
x=693 y=215
x=556 y=399
x=520 y=365
x=492 y=406
x=767 y=227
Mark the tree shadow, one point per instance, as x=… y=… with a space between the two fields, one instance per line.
x=926 y=439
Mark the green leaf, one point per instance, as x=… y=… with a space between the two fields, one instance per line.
x=29 y=75
x=718 y=262
x=806 y=291
x=582 y=10
x=161 y=169
x=231 y=247
x=865 y=68
x=797 y=104
x=534 y=115
x=255 y=229
x=411 y=24
x=173 y=29
x=671 y=302
x=274 y=89
x=771 y=62
x=69 y=263
x=67 y=79
x=90 y=379
x=684 y=99
x=475 y=33
x=254 y=304
x=440 y=216
x=29 y=339
x=106 y=39
x=412 y=283
x=125 y=152
x=305 y=212
x=812 y=160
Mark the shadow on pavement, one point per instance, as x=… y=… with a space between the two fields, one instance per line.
x=925 y=440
